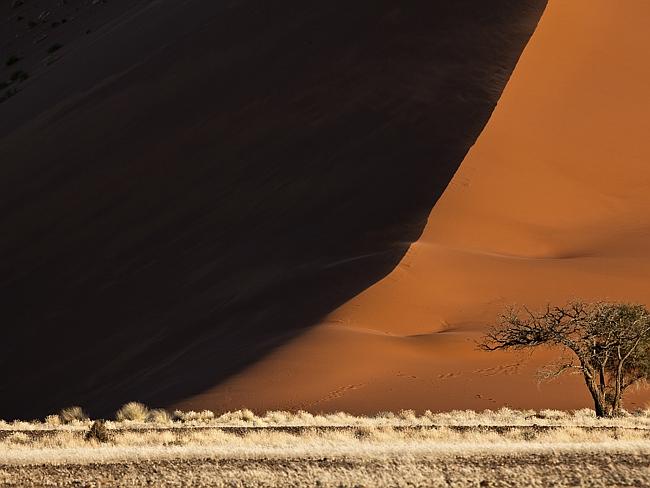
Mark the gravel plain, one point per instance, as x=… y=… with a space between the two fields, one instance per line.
x=475 y=470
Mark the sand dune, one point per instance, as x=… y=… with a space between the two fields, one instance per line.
x=188 y=185
x=550 y=204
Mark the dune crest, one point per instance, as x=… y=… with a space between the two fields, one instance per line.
x=187 y=186
x=550 y=204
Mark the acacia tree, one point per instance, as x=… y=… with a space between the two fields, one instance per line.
x=609 y=343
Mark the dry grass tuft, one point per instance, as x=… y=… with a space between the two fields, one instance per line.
x=192 y=416
x=53 y=420
x=72 y=414
x=159 y=416
x=98 y=432
x=133 y=412
x=17 y=438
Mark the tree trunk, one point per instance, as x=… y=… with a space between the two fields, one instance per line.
x=600 y=407
x=616 y=406
x=600 y=404
x=618 y=390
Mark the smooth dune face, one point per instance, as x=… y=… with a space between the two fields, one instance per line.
x=193 y=184
x=550 y=204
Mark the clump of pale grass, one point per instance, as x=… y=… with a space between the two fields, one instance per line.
x=642 y=412
x=192 y=416
x=552 y=414
x=317 y=420
x=159 y=416
x=278 y=417
x=62 y=439
x=381 y=416
x=305 y=418
x=132 y=411
x=237 y=417
x=408 y=415
x=342 y=418
x=72 y=414
x=587 y=414
x=53 y=420
x=159 y=438
x=246 y=415
x=299 y=418
x=17 y=438
x=135 y=415
x=98 y=432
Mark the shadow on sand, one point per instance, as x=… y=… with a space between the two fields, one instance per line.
x=195 y=185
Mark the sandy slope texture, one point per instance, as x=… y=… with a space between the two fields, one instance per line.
x=36 y=34
x=196 y=182
x=551 y=203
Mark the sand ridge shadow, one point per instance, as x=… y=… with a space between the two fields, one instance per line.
x=173 y=215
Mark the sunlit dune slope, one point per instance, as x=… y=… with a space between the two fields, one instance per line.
x=552 y=203
x=186 y=186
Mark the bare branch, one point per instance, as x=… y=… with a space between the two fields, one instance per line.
x=610 y=342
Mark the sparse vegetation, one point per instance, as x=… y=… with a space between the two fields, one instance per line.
x=191 y=416
x=53 y=420
x=132 y=411
x=72 y=414
x=461 y=448
x=159 y=416
x=17 y=438
x=609 y=344
x=98 y=432
x=133 y=417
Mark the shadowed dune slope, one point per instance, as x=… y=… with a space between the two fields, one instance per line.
x=191 y=184
x=552 y=203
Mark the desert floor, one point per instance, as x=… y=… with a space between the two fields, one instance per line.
x=538 y=466
x=503 y=448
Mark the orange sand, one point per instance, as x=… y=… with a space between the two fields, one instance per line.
x=551 y=203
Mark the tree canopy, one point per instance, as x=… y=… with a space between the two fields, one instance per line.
x=609 y=344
